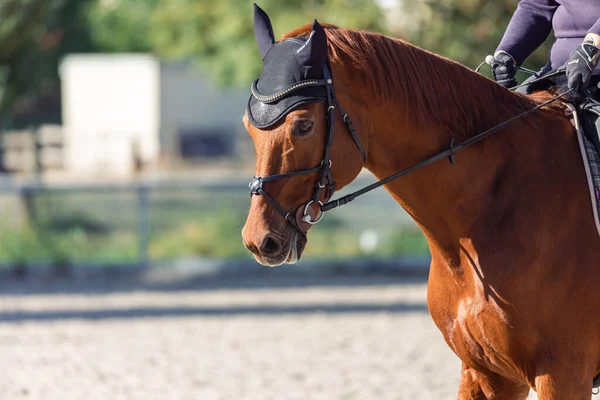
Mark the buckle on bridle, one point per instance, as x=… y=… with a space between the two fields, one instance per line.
x=451 y=148
x=255 y=185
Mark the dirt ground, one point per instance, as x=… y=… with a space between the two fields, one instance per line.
x=238 y=338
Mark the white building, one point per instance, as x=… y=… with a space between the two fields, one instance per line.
x=121 y=111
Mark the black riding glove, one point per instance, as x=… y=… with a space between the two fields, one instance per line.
x=503 y=69
x=581 y=65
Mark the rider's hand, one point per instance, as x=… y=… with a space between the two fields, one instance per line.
x=582 y=63
x=504 y=69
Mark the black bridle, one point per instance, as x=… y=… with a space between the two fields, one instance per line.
x=302 y=218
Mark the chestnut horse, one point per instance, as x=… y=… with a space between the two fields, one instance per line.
x=510 y=229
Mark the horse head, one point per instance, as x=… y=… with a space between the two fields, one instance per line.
x=290 y=118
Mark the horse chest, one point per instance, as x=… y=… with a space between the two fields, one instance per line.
x=478 y=331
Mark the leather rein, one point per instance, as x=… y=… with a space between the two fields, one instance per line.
x=305 y=216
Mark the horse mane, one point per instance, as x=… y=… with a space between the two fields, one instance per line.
x=407 y=74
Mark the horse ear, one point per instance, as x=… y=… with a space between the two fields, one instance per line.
x=263 y=31
x=314 y=52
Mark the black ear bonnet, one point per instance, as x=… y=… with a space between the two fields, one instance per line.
x=287 y=65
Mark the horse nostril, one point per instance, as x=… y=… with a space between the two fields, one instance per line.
x=270 y=246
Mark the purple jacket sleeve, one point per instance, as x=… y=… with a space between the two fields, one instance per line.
x=528 y=28
x=596 y=28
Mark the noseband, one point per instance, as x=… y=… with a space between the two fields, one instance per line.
x=302 y=219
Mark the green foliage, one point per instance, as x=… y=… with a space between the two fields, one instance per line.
x=191 y=231
x=214 y=234
x=34 y=35
x=20 y=20
x=218 y=35
x=404 y=241
x=36 y=244
x=463 y=30
x=122 y=26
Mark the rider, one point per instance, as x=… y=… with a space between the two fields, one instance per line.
x=576 y=26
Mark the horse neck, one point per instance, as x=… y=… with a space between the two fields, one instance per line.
x=453 y=201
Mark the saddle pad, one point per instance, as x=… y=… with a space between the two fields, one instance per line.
x=591 y=163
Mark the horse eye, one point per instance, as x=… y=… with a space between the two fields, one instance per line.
x=303 y=127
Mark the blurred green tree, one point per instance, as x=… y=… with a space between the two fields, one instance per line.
x=34 y=35
x=18 y=20
x=218 y=35
x=121 y=25
x=463 y=30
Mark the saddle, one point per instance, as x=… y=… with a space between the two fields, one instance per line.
x=586 y=120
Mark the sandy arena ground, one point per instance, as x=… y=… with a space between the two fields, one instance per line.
x=252 y=338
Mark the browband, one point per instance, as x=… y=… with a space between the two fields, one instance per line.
x=273 y=98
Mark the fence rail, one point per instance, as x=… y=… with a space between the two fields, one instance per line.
x=153 y=207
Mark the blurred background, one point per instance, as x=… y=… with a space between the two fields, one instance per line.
x=121 y=139
x=121 y=146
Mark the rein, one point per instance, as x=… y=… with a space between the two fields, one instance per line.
x=447 y=153
x=305 y=216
